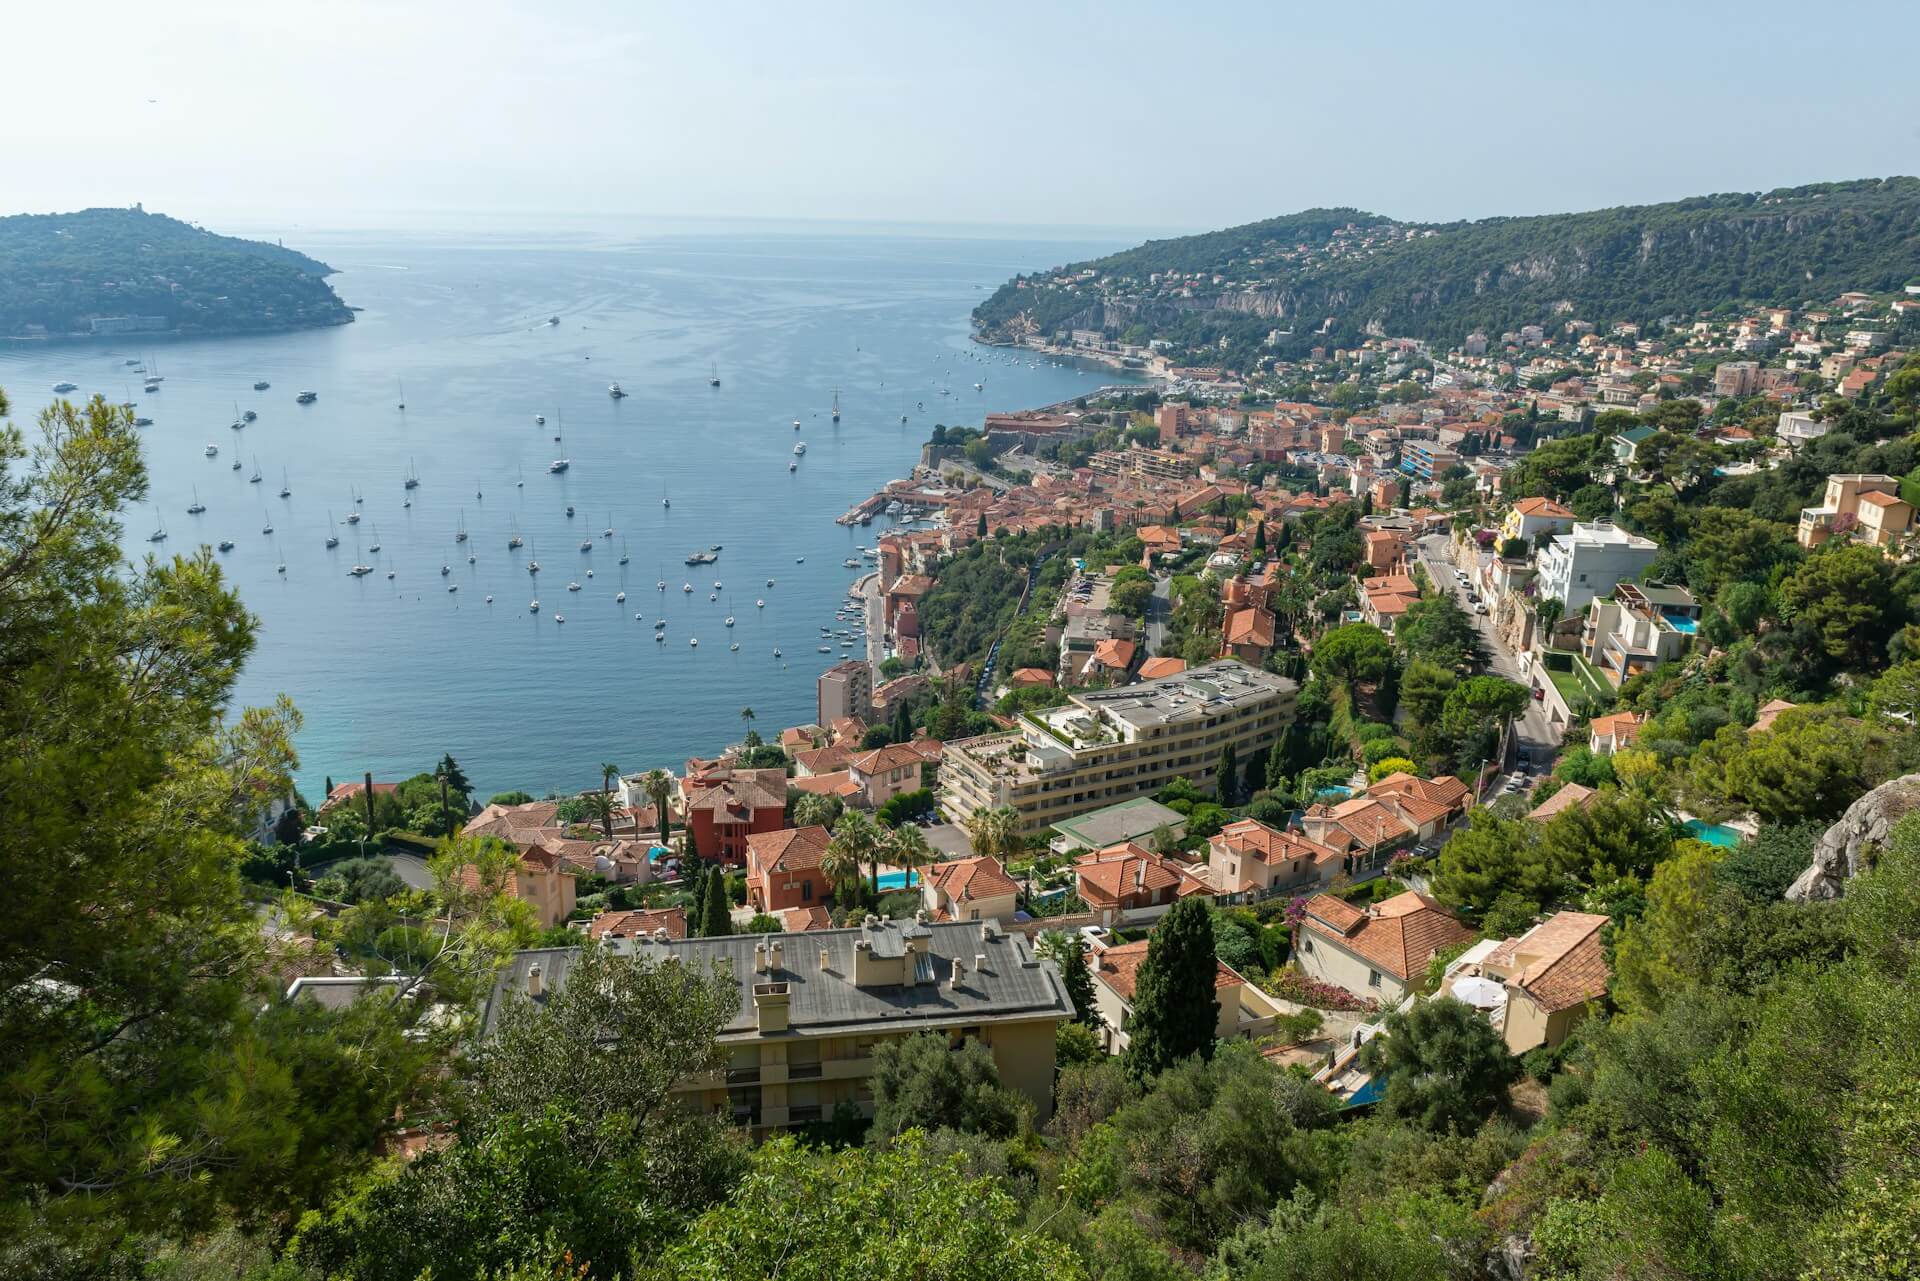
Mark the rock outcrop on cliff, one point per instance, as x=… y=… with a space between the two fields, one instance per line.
x=1850 y=846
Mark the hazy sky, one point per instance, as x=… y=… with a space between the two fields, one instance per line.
x=327 y=113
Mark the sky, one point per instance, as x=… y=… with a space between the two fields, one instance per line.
x=1119 y=116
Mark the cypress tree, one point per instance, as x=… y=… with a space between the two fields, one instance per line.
x=1079 y=982
x=715 y=921
x=982 y=531
x=1260 y=537
x=1226 y=780
x=902 y=723
x=1276 y=769
x=1175 y=1009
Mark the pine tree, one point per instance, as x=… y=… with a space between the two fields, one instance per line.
x=715 y=921
x=1175 y=1009
x=982 y=530
x=1226 y=780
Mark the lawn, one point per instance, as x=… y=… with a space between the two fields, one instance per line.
x=1579 y=680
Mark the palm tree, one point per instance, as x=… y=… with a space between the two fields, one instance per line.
x=986 y=829
x=907 y=849
x=608 y=772
x=599 y=806
x=859 y=836
x=658 y=785
x=839 y=865
x=746 y=714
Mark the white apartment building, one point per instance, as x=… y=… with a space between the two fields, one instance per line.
x=1591 y=560
x=1112 y=745
x=1797 y=428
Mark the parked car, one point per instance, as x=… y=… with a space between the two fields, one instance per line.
x=1539 y=694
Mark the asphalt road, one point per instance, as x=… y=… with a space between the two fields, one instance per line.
x=1159 y=612
x=1538 y=740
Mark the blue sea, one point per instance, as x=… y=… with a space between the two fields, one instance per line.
x=392 y=673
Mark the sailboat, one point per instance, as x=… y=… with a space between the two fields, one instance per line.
x=159 y=535
x=713 y=378
x=608 y=531
x=558 y=465
x=238 y=421
x=353 y=513
x=836 y=404
x=333 y=539
x=460 y=530
x=623 y=551
x=521 y=473
x=286 y=490
x=413 y=477
x=513 y=540
x=403 y=397
x=196 y=507
x=374 y=547
x=256 y=477
x=266 y=522
x=533 y=561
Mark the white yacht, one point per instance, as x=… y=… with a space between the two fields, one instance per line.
x=613 y=390
x=799 y=446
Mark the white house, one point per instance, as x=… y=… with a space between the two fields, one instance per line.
x=1591 y=560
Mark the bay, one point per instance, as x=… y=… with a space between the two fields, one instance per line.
x=392 y=673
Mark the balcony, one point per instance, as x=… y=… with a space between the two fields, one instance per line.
x=803 y=1071
x=743 y=1076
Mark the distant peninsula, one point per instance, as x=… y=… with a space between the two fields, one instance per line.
x=108 y=272
x=1333 y=277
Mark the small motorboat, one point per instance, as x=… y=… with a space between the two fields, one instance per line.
x=573 y=587
x=559 y=618
x=619 y=597
x=693 y=642
x=534 y=607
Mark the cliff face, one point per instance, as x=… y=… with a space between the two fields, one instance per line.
x=1851 y=845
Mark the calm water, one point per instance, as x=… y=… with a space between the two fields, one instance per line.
x=392 y=673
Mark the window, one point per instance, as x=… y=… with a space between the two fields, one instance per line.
x=1306 y=945
x=806 y=890
x=1373 y=978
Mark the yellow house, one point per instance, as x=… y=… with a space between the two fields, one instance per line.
x=1550 y=975
x=813 y=1007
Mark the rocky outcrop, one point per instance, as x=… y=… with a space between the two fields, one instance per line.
x=1850 y=846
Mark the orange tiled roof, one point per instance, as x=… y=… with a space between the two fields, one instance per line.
x=1129 y=870
x=1571 y=796
x=1567 y=965
x=882 y=759
x=1114 y=653
x=971 y=878
x=1621 y=726
x=1119 y=968
x=1399 y=935
x=1155 y=668
x=1542 y=507
x=794 y=849
x=798 y=920
x=1250 y=627
x=1251 y=838
x=640 y=923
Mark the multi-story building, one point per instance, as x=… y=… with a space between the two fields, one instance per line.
x=969 y=889
x=812 y=1008
x=1533 y=516
x=845 y=689
x=1426 y=459
x=1797 y=427
x=1547 y=980
x=1865 y=506
x=1105 y=746
x=886 y=772
x=1591 y=560
x=725 y=806
x=1736 y=378
x=1638 y=628
x=1126 y=884
x=783 y=869
x=1248 y=857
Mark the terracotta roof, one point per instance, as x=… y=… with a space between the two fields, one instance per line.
x=838 y=783
x=345 y=791
x=1370 y=822
x=747 y=789
x=518 y=824
x=883 y=759
x=1154 y=668
x=1335 y=913
x=1444 y=790
x=1565 y=962
x=823 y=760
x=794 y=849
x=1621 y=726
x=1571 y=796
x=1114 y=653
x=1119 y=968
x=1129 y=870
x=1250 y=627
x=1771 y=713
x=798 y=920
x=1399 y=935
x=971 y=878
x=639 y=923
x=1251 y=838
x=1542 y=507
x=1030 y=676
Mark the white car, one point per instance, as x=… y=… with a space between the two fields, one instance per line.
x=1479 y=607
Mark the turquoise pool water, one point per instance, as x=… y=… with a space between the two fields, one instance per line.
x=1681 y=623
x=895 y=881
x=1712 y=833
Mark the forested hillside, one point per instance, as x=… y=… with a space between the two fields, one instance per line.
x=1325 y=276
x=60 y=272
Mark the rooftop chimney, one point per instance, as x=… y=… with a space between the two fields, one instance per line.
x=773 y=957
x=825 y=959
x=770 y=1006
x=980 y=961
x=534 y=980
x=760 y=958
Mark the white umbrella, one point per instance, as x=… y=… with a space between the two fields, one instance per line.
x=1484 y=993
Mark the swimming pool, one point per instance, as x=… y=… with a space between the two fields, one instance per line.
x=1682 y=623
x=1713 y=833
x=895 y=881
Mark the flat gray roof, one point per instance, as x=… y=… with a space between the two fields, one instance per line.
x=1014 y=983
x=1198 y=692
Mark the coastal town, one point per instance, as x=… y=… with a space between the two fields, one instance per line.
x=1390 y=806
